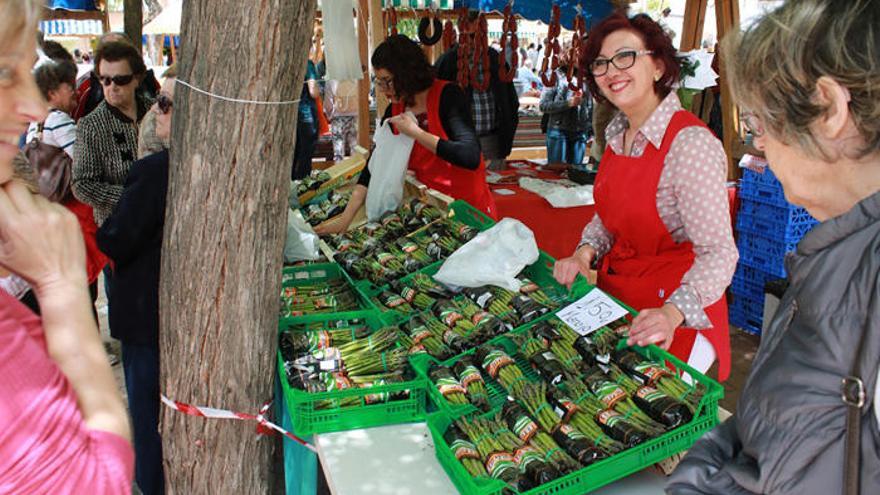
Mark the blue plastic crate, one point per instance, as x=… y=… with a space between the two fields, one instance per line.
x=773 y=228
x=747 y=312
x=750 y=281
x=761 y=186
x=764 y=254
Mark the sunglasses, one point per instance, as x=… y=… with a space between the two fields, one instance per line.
x=118 y=80
x=622 y=60
x=164 y=104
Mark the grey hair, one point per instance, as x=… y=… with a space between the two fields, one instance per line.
x=773 y=67
x=18 y=22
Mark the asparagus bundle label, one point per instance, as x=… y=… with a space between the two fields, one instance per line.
x=470 y=374
x=525 y=428
x=448 y=386
x=650 y=372
x=527 y=456
x=498 y=463
x=609 y=393
x=462 y=449
x=495 y=360
x=418 y=337
x=408 y=294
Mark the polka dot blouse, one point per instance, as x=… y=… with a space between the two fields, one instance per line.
x=692 y=202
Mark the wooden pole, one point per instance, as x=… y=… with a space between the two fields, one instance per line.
x=727 y=19
x=364 y=16
x=377 y=36
x=133 y=20
x=694 y=20
x=224 y=234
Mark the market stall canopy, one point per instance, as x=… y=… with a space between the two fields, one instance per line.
x=414 y=4
x=539 y=10
x=72 y=27
x=168 y=21
x=71 y=4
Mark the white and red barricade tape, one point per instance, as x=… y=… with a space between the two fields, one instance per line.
x=264 y=426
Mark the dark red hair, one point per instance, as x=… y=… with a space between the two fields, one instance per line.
x=652 y=35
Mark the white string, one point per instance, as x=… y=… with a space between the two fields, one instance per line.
x=234 y=100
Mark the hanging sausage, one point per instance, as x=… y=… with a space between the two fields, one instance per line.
x=389 y=15
x=481 y=55
x=448 y=35
x=574 y=53
x=508 y=31
x=465 y=45
x=551 y=49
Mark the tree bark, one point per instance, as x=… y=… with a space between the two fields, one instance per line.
x=224 y=233
x=133 y=21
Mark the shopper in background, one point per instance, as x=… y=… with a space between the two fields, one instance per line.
x=148 y=142
x=495 y=111
x=446 y=153
x=341 y=106
x=132 y=238
x=568 y=115
x=306 y=125
x=661 y=232
x=807 y=77
x=63 y=425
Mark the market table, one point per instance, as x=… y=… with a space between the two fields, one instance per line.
x=400 y=460
x=557 y=230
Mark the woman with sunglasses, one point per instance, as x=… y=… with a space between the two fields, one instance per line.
x=446 y=153
x=63 y=423
x=808 y=419
x=106 y=139
x=662 y=230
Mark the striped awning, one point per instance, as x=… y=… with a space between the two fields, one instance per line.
x=72 y=27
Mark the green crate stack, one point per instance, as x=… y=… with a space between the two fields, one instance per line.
x=318 y=273
x=588 y=478
x=307 y=415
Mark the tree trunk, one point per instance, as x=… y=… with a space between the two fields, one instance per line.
x=133 y=21
x=224 y=232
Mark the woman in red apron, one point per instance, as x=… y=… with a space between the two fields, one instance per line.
x=662 y=226
x=446 y=152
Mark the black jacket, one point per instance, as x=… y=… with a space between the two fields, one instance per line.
x=132 y=238
x=506 y=100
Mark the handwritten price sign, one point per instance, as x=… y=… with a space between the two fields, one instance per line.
x=591 y=312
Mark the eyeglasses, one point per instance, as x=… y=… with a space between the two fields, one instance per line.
x=164 y=104
x=622 y=60
x=384 y=82
x=753 y=124
x=118 y=80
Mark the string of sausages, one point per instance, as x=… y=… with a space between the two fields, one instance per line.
x=481 y=55
x=465 y=42
x=389 y=15
x=508 y=31
x=580 y=30
x=551 y=49
x=448 y=35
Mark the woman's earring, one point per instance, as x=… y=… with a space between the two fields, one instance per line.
x=656 y=77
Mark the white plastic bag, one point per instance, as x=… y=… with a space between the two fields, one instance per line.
x=387 y=170
x=493 y=257
x=302 y=241
x=559 y=195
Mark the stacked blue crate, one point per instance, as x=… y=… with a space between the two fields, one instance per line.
x=767 y=227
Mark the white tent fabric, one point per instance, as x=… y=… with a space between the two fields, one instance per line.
x=168 y=21
x=341 y=41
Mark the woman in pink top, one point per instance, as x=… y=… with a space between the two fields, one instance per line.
x=63 y=424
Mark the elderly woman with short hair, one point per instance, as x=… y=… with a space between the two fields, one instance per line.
x=808 y=420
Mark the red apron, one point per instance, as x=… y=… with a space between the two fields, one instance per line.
x=437 y=173
x=645 y=265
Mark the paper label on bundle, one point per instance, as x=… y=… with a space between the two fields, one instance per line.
x=479 y=317
x=610 y=393
x=483 y=299
x=409 y=247
x=525 y=428
x=470 y=375
x=330 y=365
x=408 y=294
x=494 y=361
x=448 y=386
x=421 y=335
x=653 y=373
x=498 y=462
x=650 y=394
x=526 y=455
x=464 y=450
x=449 y=317
x=394 y=301
x=384 y=258
x=591 y=312
x=571 y=432
x=528 y=286
x=609 y=417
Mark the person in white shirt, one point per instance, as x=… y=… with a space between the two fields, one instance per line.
x=56 y=81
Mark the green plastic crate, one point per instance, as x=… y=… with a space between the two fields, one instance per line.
x=319 y=272
x=308 y=419
x=589 y=478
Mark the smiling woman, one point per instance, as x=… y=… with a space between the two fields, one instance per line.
x=662 y=226
x=54 y=368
